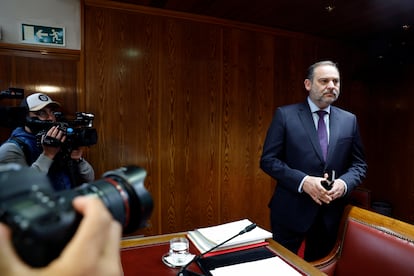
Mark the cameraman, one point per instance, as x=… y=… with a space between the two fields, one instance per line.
x=30 y=146
x=94 y=250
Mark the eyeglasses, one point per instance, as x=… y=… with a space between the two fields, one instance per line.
x=45 y=113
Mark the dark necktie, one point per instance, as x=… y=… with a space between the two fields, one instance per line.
x=322 y=133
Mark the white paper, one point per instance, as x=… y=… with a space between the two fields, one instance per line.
x=266 y=267
x=219 y=233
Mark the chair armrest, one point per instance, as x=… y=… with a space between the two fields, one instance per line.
x=328 y=263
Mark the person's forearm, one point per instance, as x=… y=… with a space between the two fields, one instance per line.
x=86 y=171
x=42 y=164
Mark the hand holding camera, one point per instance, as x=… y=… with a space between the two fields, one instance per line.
x=52 y=141
x=98 y=232
x=43 y=221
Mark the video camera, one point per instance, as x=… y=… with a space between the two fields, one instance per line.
x=12 y=116
x=79 y=131
x=43 y=221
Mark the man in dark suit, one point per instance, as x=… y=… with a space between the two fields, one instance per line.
x=301 y=208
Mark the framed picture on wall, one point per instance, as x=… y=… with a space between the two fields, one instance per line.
x=44 y=35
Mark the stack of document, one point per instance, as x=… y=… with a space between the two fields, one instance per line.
x=266 y=267
x=204 y=239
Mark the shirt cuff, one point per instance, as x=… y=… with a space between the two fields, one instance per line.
x=345 y=188
x=300 y=189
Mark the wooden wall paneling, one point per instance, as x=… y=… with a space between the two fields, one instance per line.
x=291 y=59
x=121 y=53
x=404 y=206
x=263 y=95
x=6 y=70
x=390 y=146
x=99 y=66
x=6 y=81
x=59 y=75
x=247 y=108
x=33 y=68
x=190 y=124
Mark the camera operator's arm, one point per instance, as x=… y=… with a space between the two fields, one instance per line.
x=55 y=135
x=94 y=250
x=86 y=171
x=45 y=159
x=12 y=153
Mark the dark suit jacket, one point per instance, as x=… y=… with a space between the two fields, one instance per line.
x=291 y=151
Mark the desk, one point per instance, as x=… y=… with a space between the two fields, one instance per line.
x=142 y=256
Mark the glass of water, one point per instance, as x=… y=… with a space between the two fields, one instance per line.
x=179 y=250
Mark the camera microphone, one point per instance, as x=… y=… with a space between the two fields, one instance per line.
x=184 y=272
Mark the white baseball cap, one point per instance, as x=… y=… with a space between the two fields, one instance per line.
x=37 y=101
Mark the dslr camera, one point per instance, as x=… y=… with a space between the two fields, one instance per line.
x=43 y=221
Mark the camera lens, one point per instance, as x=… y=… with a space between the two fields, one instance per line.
x=43 y=221
x=124 y=194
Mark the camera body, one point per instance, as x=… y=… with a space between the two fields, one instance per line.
x=79 y=131
x=43 y=221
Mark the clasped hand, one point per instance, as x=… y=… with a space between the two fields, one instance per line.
x=313 y=187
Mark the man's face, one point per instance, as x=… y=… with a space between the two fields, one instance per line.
x=324 y=88
x=44 y=114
